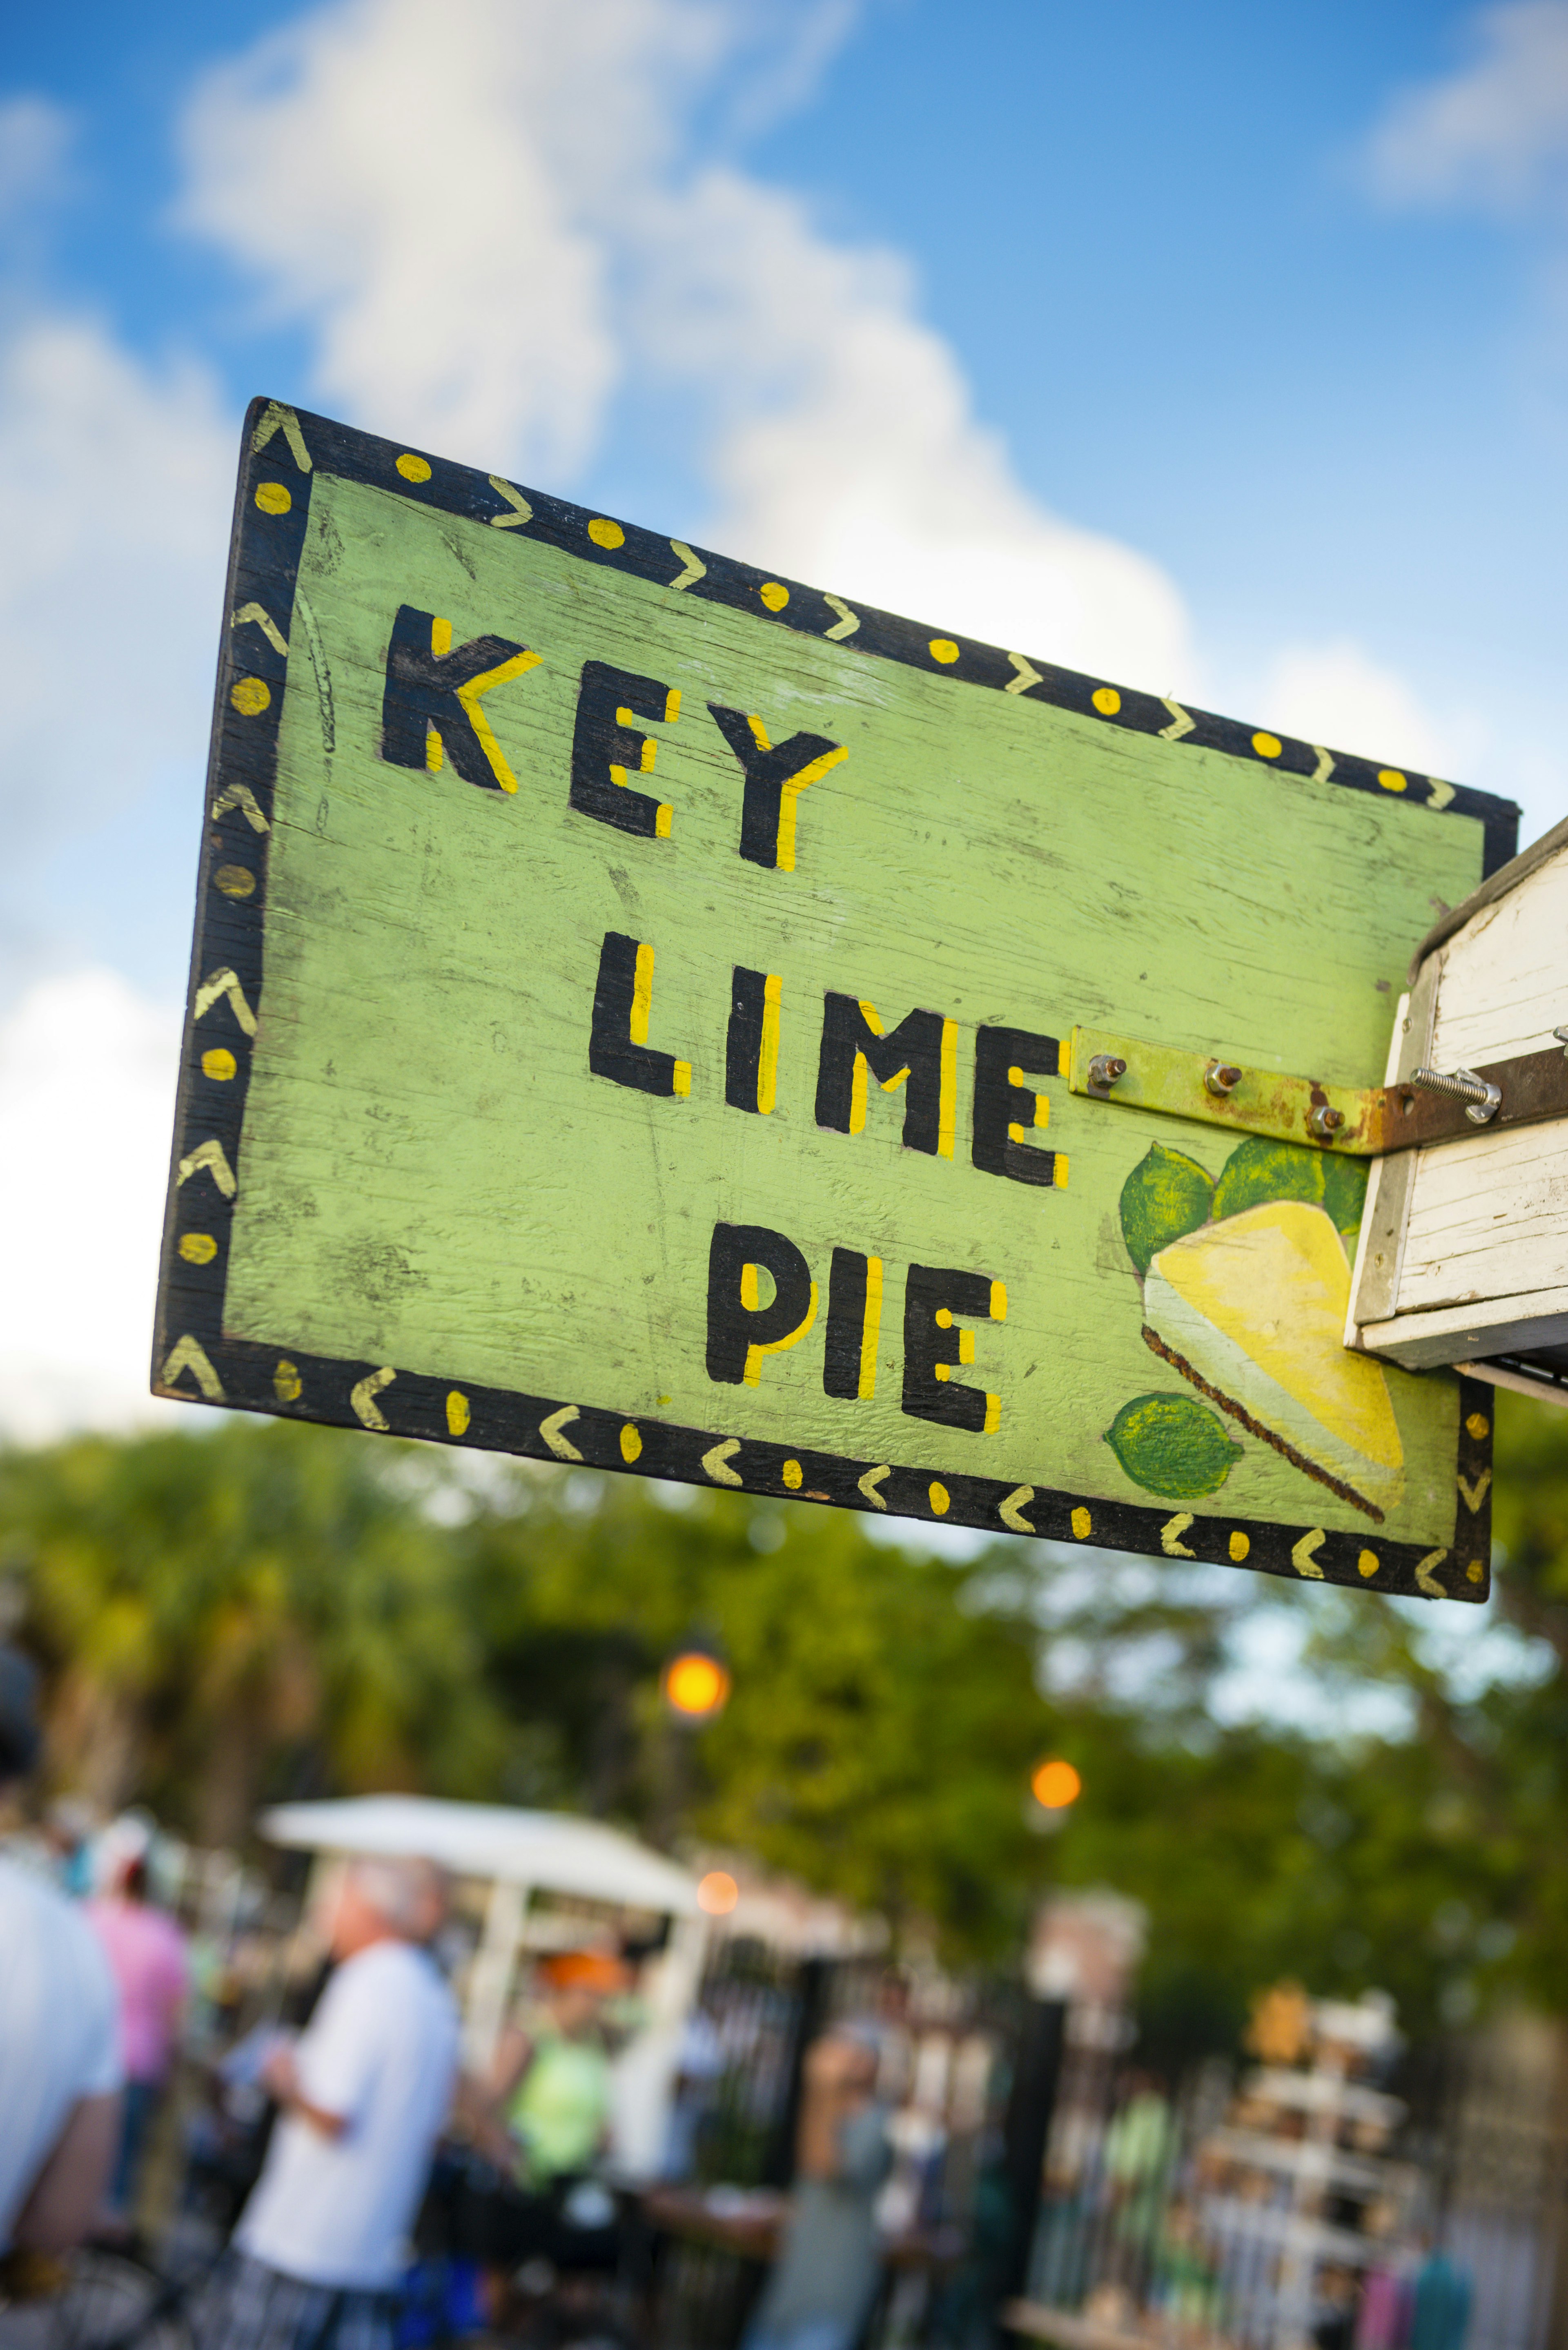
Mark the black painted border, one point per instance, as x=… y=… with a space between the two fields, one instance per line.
x=194 y=1360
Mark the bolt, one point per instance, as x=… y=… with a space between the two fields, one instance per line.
x=1482 y=1100
x=1326 y=1122
x=1220 y=1077
x=1105 y=1069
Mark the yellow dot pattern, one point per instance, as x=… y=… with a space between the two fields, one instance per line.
x=413 y=468
x=943 y=649
x=287 y=1383
x=606 y=533
x=1475 y=1570
x=1392 y=780
x=1239 y=1546
x=235 y=880
x=1083 y=1524
x=940 y=1499
x=1367 y=1563
x=1267 y=746
x=273 y=498
x=198 y=1248
x=774 y=593
x=219 y=1063
x=1478 y=1425
x=630 y=1442
x=1106 y=701
x=793 y=1475
x=457 y=1413
x=251 y=696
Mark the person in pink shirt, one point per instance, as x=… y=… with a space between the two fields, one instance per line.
x=148 y=1959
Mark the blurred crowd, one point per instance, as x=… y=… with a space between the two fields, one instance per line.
x=363 y=2187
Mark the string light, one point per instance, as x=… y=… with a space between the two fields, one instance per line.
x=696 y=1685
x=1056 y=1784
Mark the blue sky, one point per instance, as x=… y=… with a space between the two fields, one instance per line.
x=1151 y=237
x=1221 y=348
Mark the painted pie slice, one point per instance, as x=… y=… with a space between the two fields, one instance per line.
x=1252 y=1311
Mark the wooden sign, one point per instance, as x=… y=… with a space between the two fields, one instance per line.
x=632 y=1022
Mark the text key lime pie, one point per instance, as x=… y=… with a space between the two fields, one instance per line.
x=1246 y=1288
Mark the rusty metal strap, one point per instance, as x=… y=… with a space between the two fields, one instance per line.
x=1371 y=1120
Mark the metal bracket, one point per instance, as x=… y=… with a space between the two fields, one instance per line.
x=1362 y=1122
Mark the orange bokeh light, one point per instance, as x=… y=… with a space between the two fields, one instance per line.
x=718 y=1893
x=1056 y=1784
x=696 y=1684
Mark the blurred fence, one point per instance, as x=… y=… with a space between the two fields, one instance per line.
x=1269 y=2206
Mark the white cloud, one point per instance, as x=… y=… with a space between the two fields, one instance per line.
x=845 y=449
x=1494 y=132
x=488 y=235
x=432 y=207
x=87 y=1107
x=1337 y=694
x=116 y=482
x=35 y=140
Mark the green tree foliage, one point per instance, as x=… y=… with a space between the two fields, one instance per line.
x=273 y=1609
x=881 y=1733
x=221 y=1612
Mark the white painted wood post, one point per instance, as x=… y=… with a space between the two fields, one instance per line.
x=490 y=1976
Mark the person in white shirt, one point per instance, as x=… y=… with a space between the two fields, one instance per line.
x=59 y=2029
x=322 y=2245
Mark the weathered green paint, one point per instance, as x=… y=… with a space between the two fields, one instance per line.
x=431 y=1179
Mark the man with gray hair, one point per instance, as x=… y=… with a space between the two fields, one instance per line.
x=322 y=2245
x=60 y=2053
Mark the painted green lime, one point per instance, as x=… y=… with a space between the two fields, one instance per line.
x=1345 y=1193
x=1173 y=1446
x=1167 y=1195
x=1258 y=1170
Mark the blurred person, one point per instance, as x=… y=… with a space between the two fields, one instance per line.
x=1387 y=2305
x=59 y=2054
x=550 y=2080
x=322 y=2245
x=1440 y=2302
x=543 y=2122
x=824 y=2280
x=1336 y=2294
x=69 y=1826
x=148 y=1958
x=1140 y=2151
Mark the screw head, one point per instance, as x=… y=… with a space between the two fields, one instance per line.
x=1326 y=1122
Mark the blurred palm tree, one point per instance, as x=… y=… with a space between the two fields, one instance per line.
x=253 y=1611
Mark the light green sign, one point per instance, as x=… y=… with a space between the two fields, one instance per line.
x=627 y=1025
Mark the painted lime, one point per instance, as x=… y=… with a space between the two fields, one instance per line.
x=1167 y=1195
x=1258 y=1170
x=1172 y=1445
